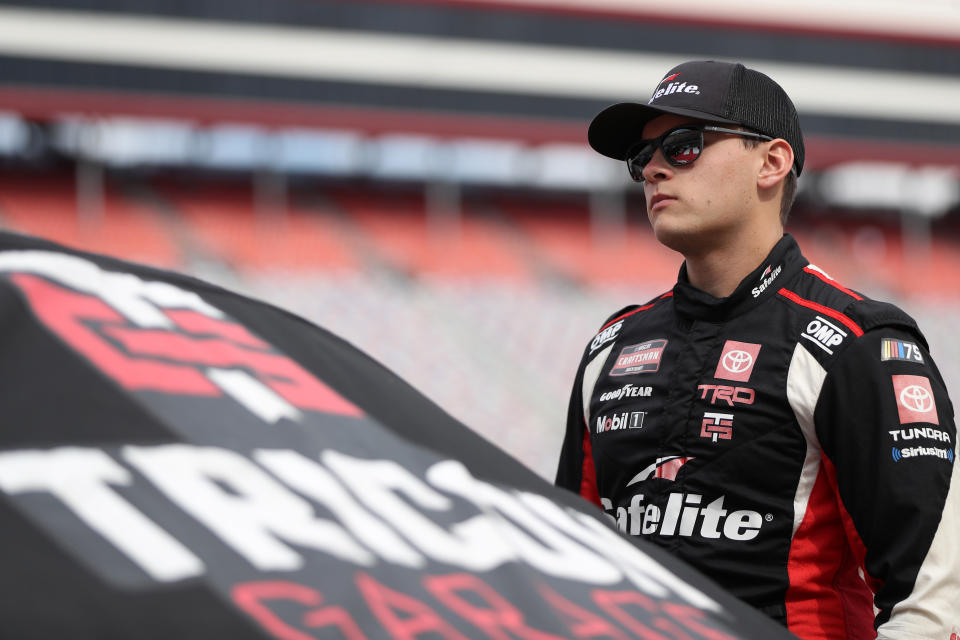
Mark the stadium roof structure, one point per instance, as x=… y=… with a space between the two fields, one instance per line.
x=873 y=81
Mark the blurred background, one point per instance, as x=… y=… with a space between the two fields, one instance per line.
x=414 y=174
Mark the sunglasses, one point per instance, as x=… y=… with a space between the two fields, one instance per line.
x=680 y=146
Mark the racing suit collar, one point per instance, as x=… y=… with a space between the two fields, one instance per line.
x=780 y=265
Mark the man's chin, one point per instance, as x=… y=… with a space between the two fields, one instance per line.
x=681 y=238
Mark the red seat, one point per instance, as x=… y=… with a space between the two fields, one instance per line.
x=563 y=235
x=224 y=219
x=399 y=228
x=46 y=206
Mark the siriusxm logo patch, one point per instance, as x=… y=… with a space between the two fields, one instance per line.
x=918 y=452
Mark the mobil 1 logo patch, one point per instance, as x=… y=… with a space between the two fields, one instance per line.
x=622 y=420
x=639 y=358
x=824 y=333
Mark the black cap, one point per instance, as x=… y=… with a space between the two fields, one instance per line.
x=719 y=92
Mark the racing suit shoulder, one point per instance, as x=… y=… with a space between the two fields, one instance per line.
x=631 y=309
x=836 y=312
x=874 y=314
x=611 y=327
x=619 y=315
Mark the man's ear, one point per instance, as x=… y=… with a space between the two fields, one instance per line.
x=777 y=162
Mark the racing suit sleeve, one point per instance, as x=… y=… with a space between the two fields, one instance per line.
x=575 y=470
x=886 y=428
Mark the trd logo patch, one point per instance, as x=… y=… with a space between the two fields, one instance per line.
x=915 y=401
x=722 y=393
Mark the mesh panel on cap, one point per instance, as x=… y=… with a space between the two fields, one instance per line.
x=774 y=115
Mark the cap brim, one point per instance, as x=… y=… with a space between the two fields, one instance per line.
x=617 y=128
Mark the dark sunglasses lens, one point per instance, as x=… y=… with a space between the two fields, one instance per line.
x=682 y=146
x=638 y=159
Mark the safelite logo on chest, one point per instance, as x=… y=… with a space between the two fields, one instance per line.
x=639 y=358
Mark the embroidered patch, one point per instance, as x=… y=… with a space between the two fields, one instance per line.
x=639 y=358
x=915 y=401
x=737 y=360
x=891 y=349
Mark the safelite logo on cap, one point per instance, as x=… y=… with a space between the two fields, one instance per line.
x=673 y=87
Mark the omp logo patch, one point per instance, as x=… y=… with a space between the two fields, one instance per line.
x=824 y=334
x=915 y=402
x=605 y=336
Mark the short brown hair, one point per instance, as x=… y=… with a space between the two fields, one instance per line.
x=789 y=184
x=788 y=196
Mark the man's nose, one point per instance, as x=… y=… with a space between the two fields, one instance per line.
x=657 y=169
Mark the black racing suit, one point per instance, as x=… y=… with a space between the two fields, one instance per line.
x=794 y=441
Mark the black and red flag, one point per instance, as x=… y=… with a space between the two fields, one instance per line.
x=179 y=461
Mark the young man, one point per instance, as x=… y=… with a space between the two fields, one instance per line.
x=785 y=435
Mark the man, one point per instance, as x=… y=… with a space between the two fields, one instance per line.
x=786 y=435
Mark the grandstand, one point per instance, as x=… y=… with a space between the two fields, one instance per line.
x=487 y=318
x=455 y=226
